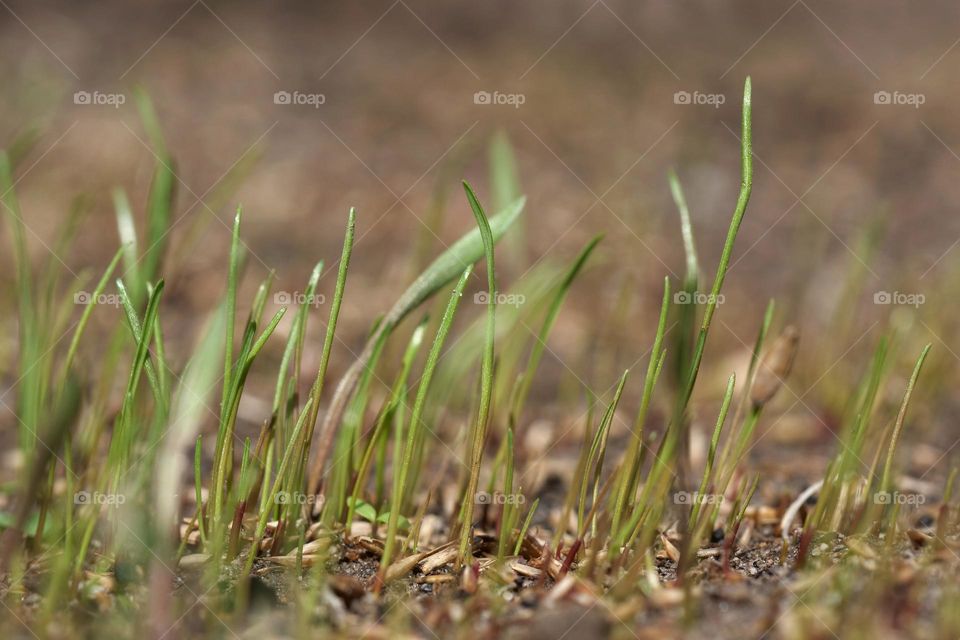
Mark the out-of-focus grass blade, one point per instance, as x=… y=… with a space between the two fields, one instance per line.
x=22 y=145
x=148 y=115
x=187 y=409
x=505 y=185
x=451 y=263
x=127 y=231
x=87 y=311
x=688 y=307
x=686 y=229
x=30 y=399
x=687 y=303
x=886 y=481
x=159 y=210
x=540 y=343
x=60 y=420
x=162 y=188
x=504 y=177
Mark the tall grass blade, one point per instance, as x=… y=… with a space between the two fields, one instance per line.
x=326 y=436
x=479 y=427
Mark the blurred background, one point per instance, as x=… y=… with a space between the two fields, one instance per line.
x=301 y=110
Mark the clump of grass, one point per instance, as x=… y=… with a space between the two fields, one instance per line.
x=669 y=459
x=853 y=497
x=292 y=493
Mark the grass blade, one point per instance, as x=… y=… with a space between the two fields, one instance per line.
x=479 y=429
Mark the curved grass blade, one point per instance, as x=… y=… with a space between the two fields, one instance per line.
x=886 y=480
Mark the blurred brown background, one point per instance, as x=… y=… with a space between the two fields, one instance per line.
x=597 y=131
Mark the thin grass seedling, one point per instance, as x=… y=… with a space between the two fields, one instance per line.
x=477 y=437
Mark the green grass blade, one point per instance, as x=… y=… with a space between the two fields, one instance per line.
x=327 y=435
x=231 y=310
x=886 y=482
x=479 y=428
x=505 y=185
x=504 y=175
x=526 y=525
x=30 y=399
x=746 y=184
x=87 y=312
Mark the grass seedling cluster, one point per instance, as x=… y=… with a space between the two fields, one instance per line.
x=414 y=465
